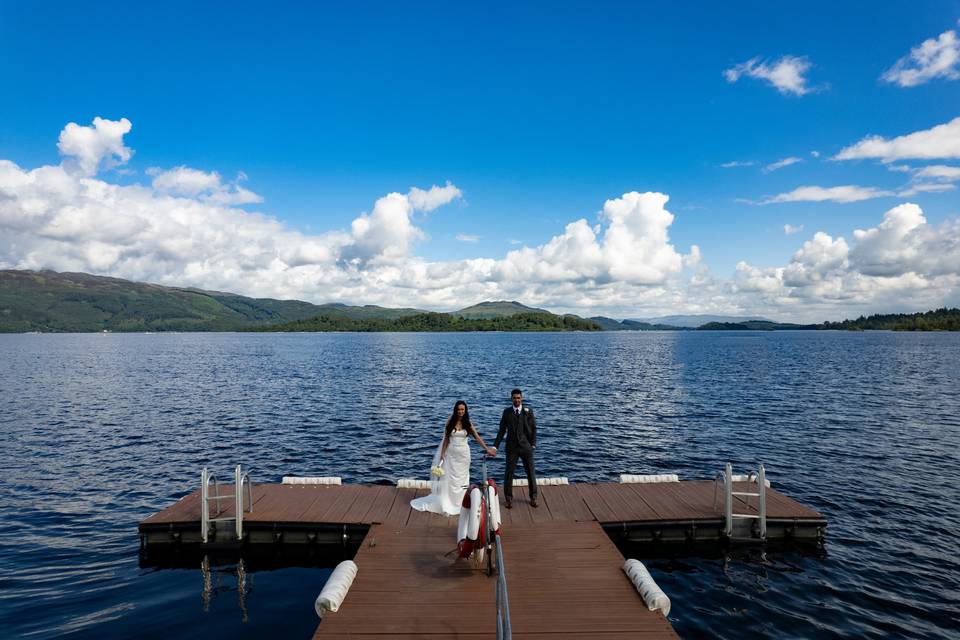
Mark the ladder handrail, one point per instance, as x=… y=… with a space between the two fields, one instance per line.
x=241 y=480
x=760 y=477
x=720 y=477
x=728 y=498
x=206 y=478
x=762 y=484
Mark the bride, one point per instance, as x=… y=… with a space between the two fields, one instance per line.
x=450 y=475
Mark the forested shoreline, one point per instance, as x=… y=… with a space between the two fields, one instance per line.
x=942 y=319
x=440 y=322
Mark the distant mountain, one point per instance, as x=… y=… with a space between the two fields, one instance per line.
x=609 y=324
x=367 y=311
x=52 y=301
x=498 y=309
x=694 y=321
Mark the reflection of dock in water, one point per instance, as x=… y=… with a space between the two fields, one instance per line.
x=564 y=570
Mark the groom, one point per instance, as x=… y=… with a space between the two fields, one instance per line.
x=520 y=427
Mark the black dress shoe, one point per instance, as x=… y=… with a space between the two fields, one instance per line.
x=533 y=502
x=508 y=504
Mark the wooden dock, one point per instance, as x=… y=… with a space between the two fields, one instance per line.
x=562 y=567
x=564 y=582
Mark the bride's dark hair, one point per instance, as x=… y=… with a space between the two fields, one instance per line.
x=464 y=421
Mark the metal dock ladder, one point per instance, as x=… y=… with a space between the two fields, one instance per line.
x=760 y=478
x=241 y=481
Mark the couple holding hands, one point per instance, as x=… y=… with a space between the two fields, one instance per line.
x=450 y=474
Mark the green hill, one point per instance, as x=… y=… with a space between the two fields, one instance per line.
x=72 y=302
x=366 y=312
x=498 y=309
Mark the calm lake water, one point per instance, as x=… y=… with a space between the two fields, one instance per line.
x=100 y=431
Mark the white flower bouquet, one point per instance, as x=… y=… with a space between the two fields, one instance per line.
x=437 y=470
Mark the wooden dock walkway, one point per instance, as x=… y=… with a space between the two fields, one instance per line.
x=562 y=567
x=564 y=581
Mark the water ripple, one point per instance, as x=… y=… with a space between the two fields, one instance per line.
x=102 y=430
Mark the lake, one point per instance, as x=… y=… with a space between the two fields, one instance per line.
x=101 y=430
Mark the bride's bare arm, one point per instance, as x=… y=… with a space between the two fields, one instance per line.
x=476 y=435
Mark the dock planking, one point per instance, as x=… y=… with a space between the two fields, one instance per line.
x=563 y=569
x=689 y=500
x=407 y=586
x=565 y=581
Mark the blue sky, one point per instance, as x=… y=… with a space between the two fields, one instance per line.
x=538 y=114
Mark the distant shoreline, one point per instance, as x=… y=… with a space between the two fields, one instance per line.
x=52 y=302
x=356 y=332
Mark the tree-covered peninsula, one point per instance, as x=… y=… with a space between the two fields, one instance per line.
x=943 y=319
x=441 y=322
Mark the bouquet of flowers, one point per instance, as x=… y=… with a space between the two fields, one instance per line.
x=437 y=470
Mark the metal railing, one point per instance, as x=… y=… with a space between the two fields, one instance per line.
x=760 y=477
x=241 y=481
x=504 y=628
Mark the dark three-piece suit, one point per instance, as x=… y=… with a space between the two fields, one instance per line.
x=520 y=430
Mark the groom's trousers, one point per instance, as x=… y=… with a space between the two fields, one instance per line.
x=525 y=456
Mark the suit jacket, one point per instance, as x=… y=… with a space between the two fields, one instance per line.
x=520 y=431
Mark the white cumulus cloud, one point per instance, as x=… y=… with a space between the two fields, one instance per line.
x=934 y=58
x=941 y=141
x=430 y=199
x=790 y=229
x=387 y=234
x=902 y=263
x=193 y=183
x=184 y=228
x=621 y=262
x=786 y=74
x=631 y=246
x=87 y=149
x=905 y=243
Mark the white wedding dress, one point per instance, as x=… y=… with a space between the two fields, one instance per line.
x=446 y=492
